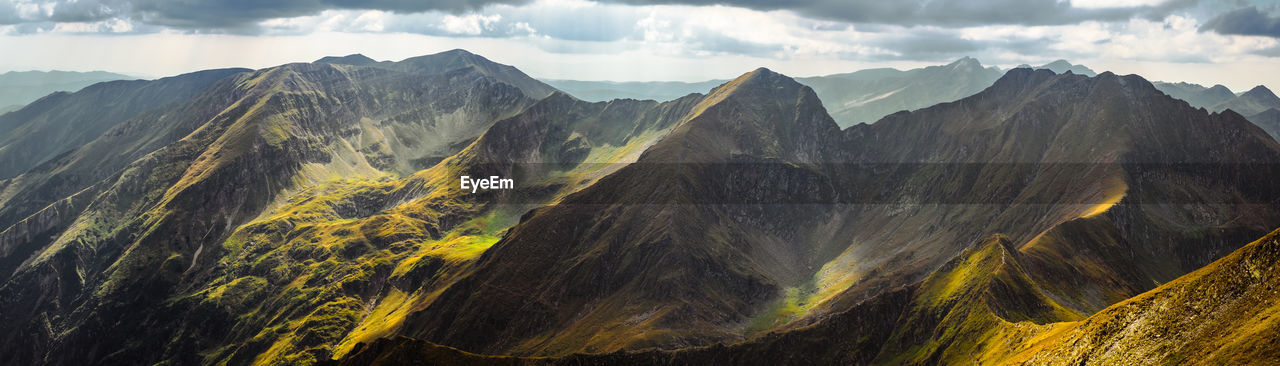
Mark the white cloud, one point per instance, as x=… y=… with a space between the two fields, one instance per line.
x=470 y=24
x=682 y=42
x=114 y=25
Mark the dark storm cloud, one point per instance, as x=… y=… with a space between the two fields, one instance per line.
x=241 y=14
x=199 y=14
x=8 y=15
x=226 y=14
x=923 y=45
x=946 y=12
x=1246 y=21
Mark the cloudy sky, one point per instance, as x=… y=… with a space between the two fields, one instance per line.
x=1232 y=42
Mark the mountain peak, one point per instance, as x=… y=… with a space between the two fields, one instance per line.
x=352 y=59
x=965 y=61
x=454 y=58
x=759 y=76
x=735 y=118
x=1260 y=92
x=458 y=52
x=1021 y=77
x=457 y=59
x=759 y=72
x=1058 y=63
x=1062 y=66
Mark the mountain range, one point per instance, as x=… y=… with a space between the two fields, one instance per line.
x=1258 y=105
x=18 y=88
x=1062 y=67
x=311 y=213
x=858 y=97
x=603 y=91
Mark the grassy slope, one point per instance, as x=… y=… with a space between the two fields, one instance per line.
x=342 y=263
x=982 y=308
x=317 y=272
x=1224 y=313
x=155 y=227
x=995 y=303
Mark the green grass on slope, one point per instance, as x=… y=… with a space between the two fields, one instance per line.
x=977 y=308
x=310 y=274
x=1227 y=313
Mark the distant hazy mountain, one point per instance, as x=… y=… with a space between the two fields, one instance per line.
x=62 y=121
x=862 y=96
x=1252 y=102
x=603 y=91
x=353 y=59
x=1197 y=95
x=1269 y=120
x=866 y=96
x=17 y=88
x=1259 y=104
x=1062 y=66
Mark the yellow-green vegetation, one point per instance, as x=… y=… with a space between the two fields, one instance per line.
x=1111 y=195
x=795 y=302
x=345 y=261
x=979 y=308
x=1222 y=314
x=603 y=156
x=380 y=322
x=330 y=264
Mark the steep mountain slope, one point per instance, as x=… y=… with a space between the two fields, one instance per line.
x=143 y=238
x=621 y=277
x=1223 y=313
x=982 y=308
x=347 y=261
x=17 y=88
x=1252 y=102
x=64 y=121
x=286 y=215
x=1084 y=200
x=1087 y=147
x=866 y=96
x=1269 y=120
